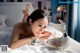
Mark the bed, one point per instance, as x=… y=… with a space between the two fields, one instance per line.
x=73 y=47
x=11 y=13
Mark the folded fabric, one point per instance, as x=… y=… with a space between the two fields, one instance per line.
x=74 y=47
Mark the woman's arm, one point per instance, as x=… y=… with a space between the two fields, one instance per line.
x=15 y=42
x=19 y=43
x=45 y=35
x=15 y=33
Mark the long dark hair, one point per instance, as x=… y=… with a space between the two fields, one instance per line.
x=37 y=14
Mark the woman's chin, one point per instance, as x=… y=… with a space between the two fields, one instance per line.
x=36 y=35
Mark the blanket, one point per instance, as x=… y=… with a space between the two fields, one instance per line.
x=72 y=47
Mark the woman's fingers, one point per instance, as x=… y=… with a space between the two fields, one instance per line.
x=43 y=37
x=47 y=33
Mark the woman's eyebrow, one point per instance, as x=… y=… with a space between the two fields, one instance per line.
x=40 y=23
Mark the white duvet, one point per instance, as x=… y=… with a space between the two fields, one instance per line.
x=74 y=47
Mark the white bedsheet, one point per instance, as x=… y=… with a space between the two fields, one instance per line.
x=5 y=35
x=74 y=47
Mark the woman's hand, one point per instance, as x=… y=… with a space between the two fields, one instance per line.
x=45 y=35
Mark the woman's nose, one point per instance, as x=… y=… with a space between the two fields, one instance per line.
x=42 y=29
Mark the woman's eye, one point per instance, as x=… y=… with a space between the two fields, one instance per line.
x=39 y=25
x=45 y=27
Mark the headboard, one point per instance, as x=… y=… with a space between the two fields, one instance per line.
x=13 y=11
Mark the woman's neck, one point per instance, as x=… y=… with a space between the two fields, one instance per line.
x=27 y=28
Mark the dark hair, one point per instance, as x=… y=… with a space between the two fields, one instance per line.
x=37 y=14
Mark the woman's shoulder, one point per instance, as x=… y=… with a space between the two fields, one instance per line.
x=20 y=24
x=18 y=27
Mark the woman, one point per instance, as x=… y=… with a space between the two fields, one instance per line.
x=35 y=26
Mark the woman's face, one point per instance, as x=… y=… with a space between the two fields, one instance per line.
x=39 y=26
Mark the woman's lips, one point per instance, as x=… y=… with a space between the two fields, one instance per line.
x=38 y=33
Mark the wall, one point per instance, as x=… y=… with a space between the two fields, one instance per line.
x=13 y=11
x=35 y=3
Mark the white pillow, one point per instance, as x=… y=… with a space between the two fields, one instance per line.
x=2 y=20
x=54 y=31
x=59 y=27
x=10 y=22
x=1 y=27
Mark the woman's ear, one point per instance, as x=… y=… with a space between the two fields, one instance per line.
x=30 y=21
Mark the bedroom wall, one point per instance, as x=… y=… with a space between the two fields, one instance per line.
x=13 y=11
x=46 y=3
